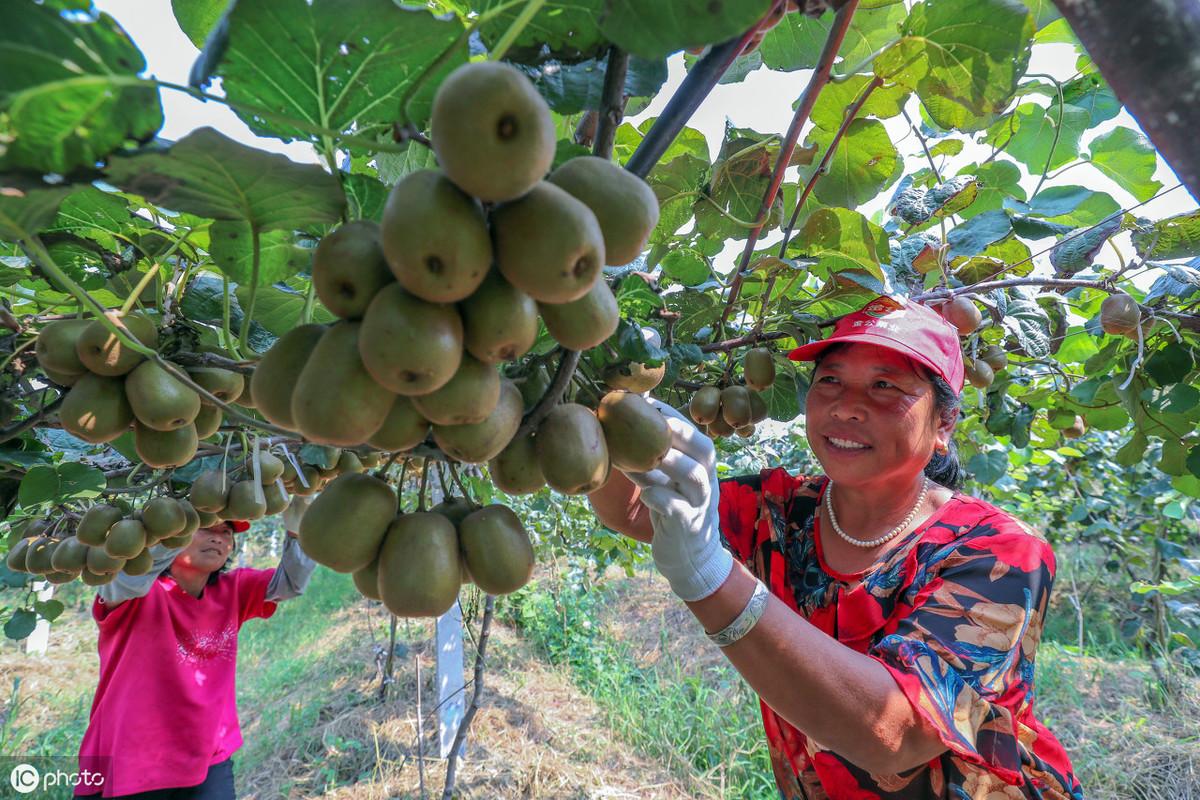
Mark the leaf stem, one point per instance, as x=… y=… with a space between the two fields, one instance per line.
x=532 y=7
x=141 y=287
x=255 y=266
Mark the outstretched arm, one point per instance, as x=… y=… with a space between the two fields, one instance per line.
x=126 y=587
x=294 y=570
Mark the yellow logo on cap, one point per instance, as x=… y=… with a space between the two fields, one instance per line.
x=881 y=307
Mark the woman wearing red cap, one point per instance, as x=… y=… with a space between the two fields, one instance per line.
x=887 y=621
x=164 y=720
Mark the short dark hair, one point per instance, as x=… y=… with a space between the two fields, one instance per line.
x=943 y=468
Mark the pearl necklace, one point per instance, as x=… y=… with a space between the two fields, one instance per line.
x=887 y=536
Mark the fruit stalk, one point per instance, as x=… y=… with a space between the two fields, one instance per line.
x=820 y=77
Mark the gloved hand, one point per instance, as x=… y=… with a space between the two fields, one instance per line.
x=682 y=495
x=295 y=512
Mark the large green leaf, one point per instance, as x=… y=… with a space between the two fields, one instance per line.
x=338 y=64
x=830 y=108
x=978 y=232
x=1126 y=156
x=963 y=57
x=103 y=217
x=1080 y=250
x=570 y=29
x=918 y=204
x=233 y=252
x=998 y=181
x=654 y=30
x=796 y=42
x=26 y=211
x=1173 y=237
x=279 y=310
x=864 y=163
x=1093 y=95
x=197 y=18
x=842 y=240
x=209 y=174
x=1033 y=135
x=59 y=483
x=65 y=89
x=571 y=88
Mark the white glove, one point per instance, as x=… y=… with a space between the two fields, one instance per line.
x=682 y=496
x=295 y=512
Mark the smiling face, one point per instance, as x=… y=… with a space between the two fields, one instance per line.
x=209 y=550
x=871 y=416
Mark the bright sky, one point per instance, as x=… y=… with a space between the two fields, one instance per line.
x=762 y=102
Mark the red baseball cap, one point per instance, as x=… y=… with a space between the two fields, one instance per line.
x=909 y=328
x=237 y=525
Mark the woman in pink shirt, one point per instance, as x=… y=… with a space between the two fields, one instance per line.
x=164 y=719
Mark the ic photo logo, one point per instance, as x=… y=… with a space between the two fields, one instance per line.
x=25 y=778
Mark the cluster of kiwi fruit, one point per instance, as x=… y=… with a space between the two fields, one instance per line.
x=736 y=408
x=452 y=282
x=415 y=563
x=218 y=496
x=306 y=477
x=113 y=387
x=107 y=539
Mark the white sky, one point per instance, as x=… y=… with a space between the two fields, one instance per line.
x=762 y=102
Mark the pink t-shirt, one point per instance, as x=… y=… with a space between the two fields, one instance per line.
x=165 y=707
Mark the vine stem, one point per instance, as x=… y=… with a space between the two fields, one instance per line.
x=820 y=77
x=485 y=629
x=532 y=7
x=822 y=168
x=1057 y=129
x=16 y=429
x=255 y=267
x=924 y=145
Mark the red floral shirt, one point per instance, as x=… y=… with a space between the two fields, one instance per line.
x=954 y=612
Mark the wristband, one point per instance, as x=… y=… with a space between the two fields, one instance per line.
x=745 y=621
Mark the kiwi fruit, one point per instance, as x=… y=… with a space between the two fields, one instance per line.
x=165 y=449
x=348 y=463
x=403 y=428
x=99 y=562
x=349 y=269
x=624 y=205
x=275 y=497
x=270 y=467
x=93 y=527
x=104 y=354
x=96 y=409
x=548 y=245
x=995 y=356
x=516 y=470
x=210 y=491
x=491 y=131
x=746 y=431
x=62 y=378
x=758 y=408
x=39 y=555
x=244 y=501
x=336 y=401
x=979 y=373
x=17 y=554
x=90 y=578
x=409 y=346
x=55 y=347
x=758 y=368
x=735 y=406
x=420 y=570
x=366 y=580
x=455 y=509
x=963 y=314
x=634 y=377
x=163 y=517
x=1074 y=431
x=275 y=377
x=496 y=549
x=140 y=564
x=344 y=527
x=477 y=442
x=208 y=518
x=126 y=539
x=466 y=399
x=585 y=322
x=635 y=432
x=705 y=405
x=1120 y=314
x=223 y=384
x=435 y=238
x=719 y=428
x=158 y=399
x=500 y=322
x=191 y=518
x=571 y=449
x=69 y=556
x=208 y=421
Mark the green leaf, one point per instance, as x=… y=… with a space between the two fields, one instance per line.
x=203 y=301
x=1173 y=237
x=998 y=181
x=843 y=240
x=26 y=211
x=1172 y=364
x=569 y=28
x=864 y=164
x=209 y=174
x=1079 y=250
x=1009 y=255
x=676 y=184
x=784 y=396
x=916 y=205
x=977 y=233
x=339 y=64
x=796 y=42
x=1092 y=94
x=394 y=166
x=197 y=18
x=989 y=467
x=1029 y=323
x=1132 y=451
x=279 y=310
x=571 y=88
x=1128 y=158
x=365 y=196
x=1193 y=461
x=963 y=57
x=1178 y=283
x=1035 y=135
x=947 y=147
x=20 y=624
x=1043 y=11
x=1069 y=205
x=233 y=252
x=686 y=266
x=67 y=89
x=830 y=109
x=49 y=610
x=56 y=484
x=103 y=217
x=655 y=30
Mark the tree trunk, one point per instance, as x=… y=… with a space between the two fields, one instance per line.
x=1147 y=52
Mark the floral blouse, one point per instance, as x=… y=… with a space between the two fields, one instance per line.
x=954 y=612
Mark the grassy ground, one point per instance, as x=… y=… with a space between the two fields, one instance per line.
x=589 y=694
